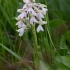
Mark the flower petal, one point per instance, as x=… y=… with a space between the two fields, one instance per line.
x=42 y=22
x=20 y=10
x=26 y=1
x=22 y=15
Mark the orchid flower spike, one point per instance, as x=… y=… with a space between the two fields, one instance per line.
x=31 y=13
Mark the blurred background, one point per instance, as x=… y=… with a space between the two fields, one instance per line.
x=12 y=45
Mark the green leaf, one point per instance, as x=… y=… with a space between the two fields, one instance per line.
x=62 y=63
x=6 y=16
x=62 y=43
x=62 y=47
x=67 y=36
x=11 y=52
x=58 y=14
x=56 y=23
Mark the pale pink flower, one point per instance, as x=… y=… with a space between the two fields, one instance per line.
x=22 y=15
x=32 y=20
x=40 y=28
x=21 y=31
x=19 y=23
x=44 y=11
x=40 y=16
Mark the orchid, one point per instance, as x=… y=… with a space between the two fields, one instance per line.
x=31 y=14
x=40 y=28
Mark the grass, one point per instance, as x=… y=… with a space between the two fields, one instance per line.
x=53 y=44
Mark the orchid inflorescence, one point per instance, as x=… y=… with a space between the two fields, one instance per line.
x=31 y=14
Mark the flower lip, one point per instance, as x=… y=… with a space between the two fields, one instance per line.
x=33 y=20
x=19 y=23
x=21 y=31
x=39 y=16
x=40 y=28
x=21 y=16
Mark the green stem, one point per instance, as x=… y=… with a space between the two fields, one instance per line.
x=34 y=37
x=36 y=57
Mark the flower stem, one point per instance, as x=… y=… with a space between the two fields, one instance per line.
x=36 y=57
